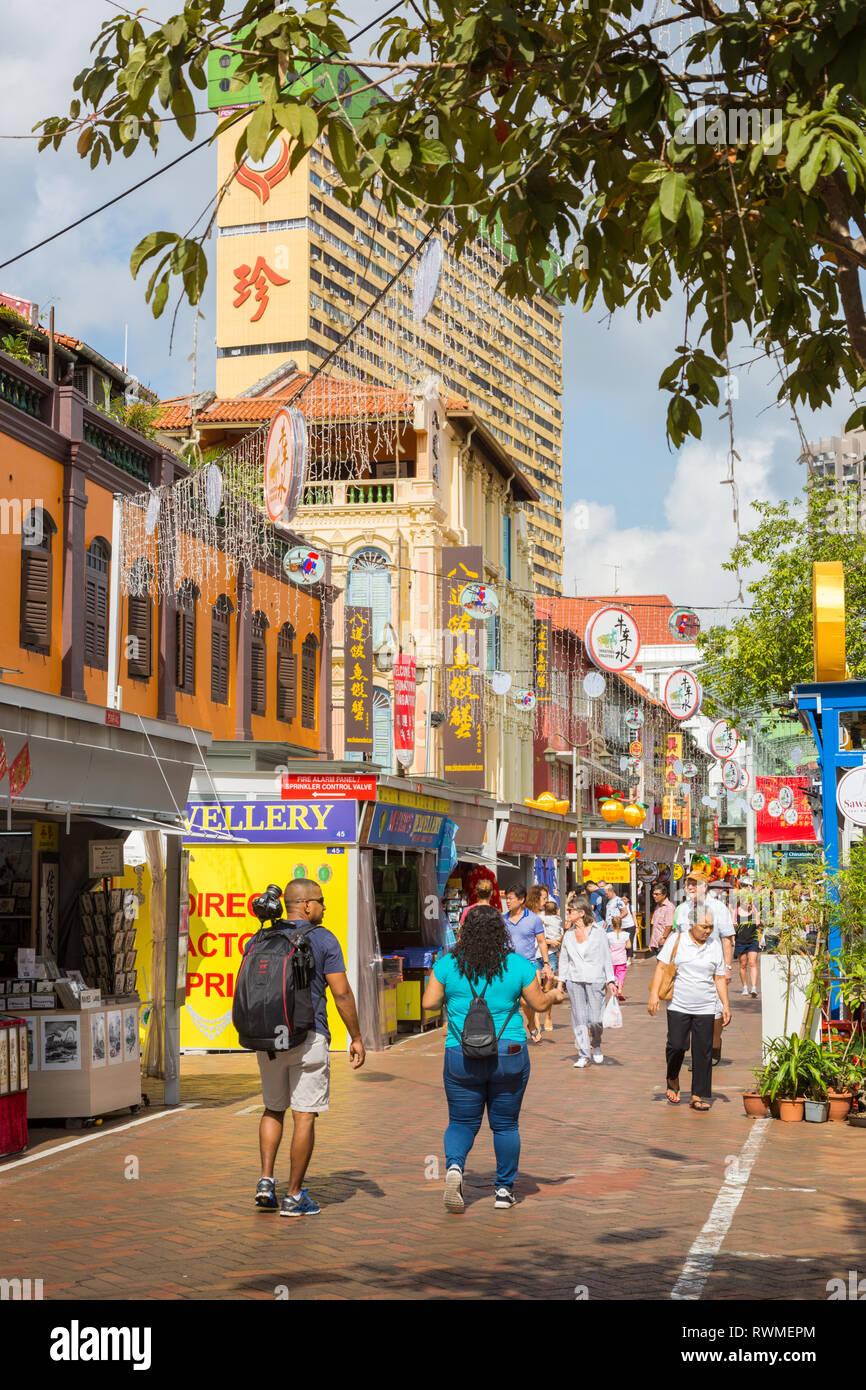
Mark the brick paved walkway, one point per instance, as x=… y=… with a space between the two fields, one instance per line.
x=615 y=1187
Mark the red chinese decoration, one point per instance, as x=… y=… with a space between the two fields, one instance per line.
x=773 y=830
x=2 y=757
x=256 y=279
x=19 y=771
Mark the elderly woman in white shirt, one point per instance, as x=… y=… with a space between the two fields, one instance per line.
x=586 y=969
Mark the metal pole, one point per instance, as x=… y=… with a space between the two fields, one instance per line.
x=578 y=795
x=114 y=607
x=171 y=1042
x=427 y=772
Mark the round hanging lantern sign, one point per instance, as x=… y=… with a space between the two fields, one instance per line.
x=689 y=770
x=684 y=625
x=151 y=516
x=757 y=801
x=677 y=767
x=594 y=684
x=213 y=489
x=303 y=565
x=426 y=279
x=635 y=748
x=708 y=801
x=682 y=695
x=479 y=600
x=790 y=816
x=851 y=795
x=501 y=682
x=786 y=798
x=775 y=808
x=525 y=699
x=744 y=781
x=730 y=775
x=796 y=754
x=634 y=717
x=724 y=740
x=279 y=464
x=612 y=639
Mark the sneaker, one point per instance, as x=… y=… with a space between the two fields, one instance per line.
x=454 y=1189
x=302 y=1205
x=745 y=991
x=582 y=1062
x=754 y=994
x=266 y=1194
x=504 y=1197
x=598 y=1057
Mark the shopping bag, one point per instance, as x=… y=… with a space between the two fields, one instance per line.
x=612 y=1016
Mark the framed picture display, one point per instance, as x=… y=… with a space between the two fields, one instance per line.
x=115 y=1037
x=61 y=1043
x=7 y=907
x=130 y=982
x=129 y=960
x=23 y=1057
x=77 y=976
x=129 y=939
x=21 y=890
x=33 y=1044
x=120 y=982
x=118 y=921
x=100 y=902
x=131 y=1048
x=115 y=900
x=97 y=1040
x=85 y=901
x=117 y=942
x=13 y=1057
x=101 y=922
x=4 y=1061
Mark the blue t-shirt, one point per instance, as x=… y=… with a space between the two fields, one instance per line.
x=499 y=996
x=328 y=955
x=523 y=932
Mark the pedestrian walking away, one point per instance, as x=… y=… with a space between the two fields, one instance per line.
x=747 y=944
x=484 y=966
x=553 y=934
x=298 y=1079
x=586 y=970
x=526 y=933
x=484 y=890
x=619 y=942
x=723 y=932
x=616 y=906
x=662 y=921
x=700 y=984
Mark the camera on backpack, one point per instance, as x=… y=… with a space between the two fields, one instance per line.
x=269 y=907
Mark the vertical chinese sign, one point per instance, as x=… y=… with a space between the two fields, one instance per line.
x=404 y=709
x=463 y=730
x=358 y=680
x=542 y=659
x=676 y=811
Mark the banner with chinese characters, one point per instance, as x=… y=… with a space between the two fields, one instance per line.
x=358 y=678
x=676 y=807
x=463 y=730
x=542 y=659
x=785 y=815
x=404 y=709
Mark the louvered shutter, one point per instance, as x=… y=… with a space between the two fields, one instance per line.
x=35 y=599
x=185 y=669
x=287 y=680
x=370 y=587
x=90 y=620
x=139 y=662
x=258 y=683
x=383 y=729
x=308 y=684
x=219 y=680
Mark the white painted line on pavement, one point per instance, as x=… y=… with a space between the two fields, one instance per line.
x=750 y=1255
x=250 y=1109
x=102 y=1134
x=786 y=1189
x=706 y=1247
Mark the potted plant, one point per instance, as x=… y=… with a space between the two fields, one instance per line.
x=754 y=1101
x=816 y=1104
x=794 y=1066
x=843 y=1073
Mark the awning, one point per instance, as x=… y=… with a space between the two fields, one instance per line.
x=661 y=849
x=134 y=823
x=490 y=861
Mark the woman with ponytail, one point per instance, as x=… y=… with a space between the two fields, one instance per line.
x=482 y=964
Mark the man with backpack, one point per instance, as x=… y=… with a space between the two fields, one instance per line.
x=295 y=1074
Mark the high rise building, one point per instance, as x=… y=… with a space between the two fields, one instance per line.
x=296 y=269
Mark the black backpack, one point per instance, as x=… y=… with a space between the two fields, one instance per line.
x=479 y=1037
x=273 y=1003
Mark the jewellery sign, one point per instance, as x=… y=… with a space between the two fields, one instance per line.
x=358 y=667
x=463 y=730
x=404 y=709
x=612 y=639
x=785 y=815
x=542 y=659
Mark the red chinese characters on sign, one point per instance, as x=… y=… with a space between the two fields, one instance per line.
x=404 y=708
x=787 y=826
x=19 y=771
x=257 y=278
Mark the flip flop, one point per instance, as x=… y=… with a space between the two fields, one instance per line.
x=535 y=1035
x=700 y=1105
x=676 y=1091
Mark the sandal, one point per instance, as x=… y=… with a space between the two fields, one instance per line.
x=675 y=1090
x=699 y=1105
x=535 y=1035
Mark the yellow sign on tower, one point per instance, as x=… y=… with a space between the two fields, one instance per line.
x=828 y=620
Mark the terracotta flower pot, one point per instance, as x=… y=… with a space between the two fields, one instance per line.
x=755 y=1105
x=840 y=1105
x=791 y=1110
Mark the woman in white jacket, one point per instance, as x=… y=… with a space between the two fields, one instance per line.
x=586 y=969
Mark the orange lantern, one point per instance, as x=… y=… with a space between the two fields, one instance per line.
x=634 y=815
x=611 y=811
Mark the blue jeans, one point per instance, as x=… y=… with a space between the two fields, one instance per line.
x=471 y=1083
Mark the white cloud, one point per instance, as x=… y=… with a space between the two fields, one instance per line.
x=682 y=557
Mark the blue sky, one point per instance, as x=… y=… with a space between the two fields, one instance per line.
x=663 y=519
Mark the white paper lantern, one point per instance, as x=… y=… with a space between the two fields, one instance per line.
x=426 y=280
x=501 y=682
x=151 y=516
x=594 y=684
x=213 y=489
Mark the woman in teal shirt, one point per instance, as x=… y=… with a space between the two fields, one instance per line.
x=483 y=955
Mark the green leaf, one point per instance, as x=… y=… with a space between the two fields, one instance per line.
x=270 y=24
x=812 y=167
x=309 y=125
x=651 y=231
x=160 y=297
x=183 y=108
x=342 y=147
x=671 y=195
x=401 y=157
x=258 y=131
x=289 y=117
x=647 y=171
x=695 y=214
x=147 y=247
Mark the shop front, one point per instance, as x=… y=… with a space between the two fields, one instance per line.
x=524 y=837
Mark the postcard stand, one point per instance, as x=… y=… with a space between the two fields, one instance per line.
x=85 y=1064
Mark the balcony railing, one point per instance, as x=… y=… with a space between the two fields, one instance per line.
x=318 y=495
x=116 y=450
x=21 y=394
x=369 y=494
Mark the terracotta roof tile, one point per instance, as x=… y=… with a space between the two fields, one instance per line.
x=326 y=396
x=651 y=612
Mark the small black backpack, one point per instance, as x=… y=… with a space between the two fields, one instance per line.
x=479 y=1037
x=272 y=1008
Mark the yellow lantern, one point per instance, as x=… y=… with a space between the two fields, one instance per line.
x=634 y=815
x=611 y=811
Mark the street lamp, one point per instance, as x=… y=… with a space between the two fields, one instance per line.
x=550 y=756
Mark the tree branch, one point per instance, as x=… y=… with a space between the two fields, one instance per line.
x=848 y=273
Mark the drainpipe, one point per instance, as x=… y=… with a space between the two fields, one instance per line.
x=462 y=451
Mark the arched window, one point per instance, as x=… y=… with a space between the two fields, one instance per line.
x=369 y=586
x=383 y=729
x=309 y=661
x=287 y=675
x=187 y=598
x=139 y=642
x=220 y=658
x=36 y=581
x=258 y=664
x=96 y=563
